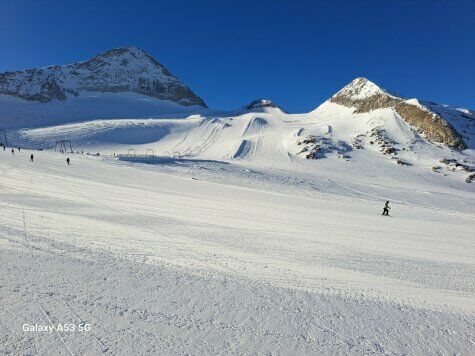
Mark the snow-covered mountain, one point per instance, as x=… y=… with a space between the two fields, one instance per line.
x=128 y=69
x=437 y=123
x=125 y=99
x=264 y=135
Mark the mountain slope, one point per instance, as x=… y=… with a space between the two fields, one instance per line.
x=364 y=96
x=128 y=69
x=18 y=113
x=362 y=123
x=333 y=135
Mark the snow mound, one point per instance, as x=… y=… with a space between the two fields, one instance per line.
x=243 y=149
x=255 y=126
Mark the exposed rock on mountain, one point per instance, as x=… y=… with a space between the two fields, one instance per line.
x=470 y=178
x=364 y=96
x=262 y=103
x=318 y=147
x=127 y=69
x=431 y=124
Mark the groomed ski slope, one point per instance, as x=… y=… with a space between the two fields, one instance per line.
x=267 y=137
x=206 y=257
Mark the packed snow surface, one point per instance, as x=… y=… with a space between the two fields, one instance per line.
x=194 y=256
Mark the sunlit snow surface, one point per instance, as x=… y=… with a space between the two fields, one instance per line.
x=237 y=244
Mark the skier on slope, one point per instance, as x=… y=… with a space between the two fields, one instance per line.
x=67 y=161
x=31 y=158
x=13 y=151
x=386 y=209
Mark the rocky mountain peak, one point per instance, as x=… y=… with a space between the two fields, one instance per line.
x=131 y=53
x=364 y=96
x=125 y=69
x=360 y=89
x=122 y=50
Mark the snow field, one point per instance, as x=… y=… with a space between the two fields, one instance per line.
x=196 y=256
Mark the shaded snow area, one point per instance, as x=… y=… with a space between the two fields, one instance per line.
x=200 y=255
x=18 y=113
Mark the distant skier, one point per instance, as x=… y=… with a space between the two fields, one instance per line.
x=18 y=149
x=386 y=209
x=13 y=151
x=31 y=157
x=67 y=161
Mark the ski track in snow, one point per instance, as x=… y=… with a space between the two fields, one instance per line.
x=240 y=259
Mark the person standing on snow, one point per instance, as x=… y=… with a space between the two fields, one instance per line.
x=31 y=158
x=67 y=161
x=386 y=209
x=13 y=151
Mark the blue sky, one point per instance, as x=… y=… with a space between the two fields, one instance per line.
x=297 y=53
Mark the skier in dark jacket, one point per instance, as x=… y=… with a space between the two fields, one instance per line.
x=31 y=158
x=67 y=160
x=386 y=208
x=13 y=151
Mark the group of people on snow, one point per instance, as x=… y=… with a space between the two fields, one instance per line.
x=68 y=161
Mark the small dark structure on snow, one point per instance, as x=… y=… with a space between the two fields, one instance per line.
x=3 y=138
x=63 y=145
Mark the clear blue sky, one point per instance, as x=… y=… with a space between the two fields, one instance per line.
x=296 y=53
